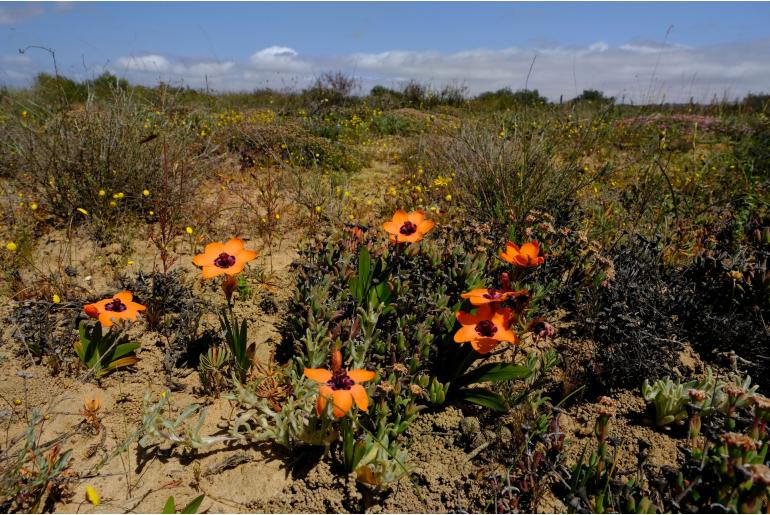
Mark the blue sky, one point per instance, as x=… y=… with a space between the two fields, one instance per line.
x=713 y=48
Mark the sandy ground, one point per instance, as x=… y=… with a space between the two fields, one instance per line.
x=449 y=471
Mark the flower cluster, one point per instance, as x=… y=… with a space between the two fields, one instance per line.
x=498 y=309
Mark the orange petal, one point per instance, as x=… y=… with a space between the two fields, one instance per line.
x=507 y=335
x=106 y=318
x=212 y=271
x=128 y=314
x=136 y=306
x=416 y=217
x=214 y=249
x=466 y=333
x=484 y=312
x=236 y=269
x=125 y=297
x=320 y=375
x=425 y=226
x=245 y=255
x=478 y=292
x=484 y=345
x=359 y=395
x=530 y=249
x=502 y=318
x=521 y=261
x=342 y=401
x=399 y=217
x=324 y=392
x=203 y=259
x=360 y=376
x=391 y=227
x=233 y=247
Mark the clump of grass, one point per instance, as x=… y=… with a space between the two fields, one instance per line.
x=505 y=171
x=106 y=159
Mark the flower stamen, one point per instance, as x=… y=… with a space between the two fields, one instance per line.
x=224 y=260
x=115 y=305
x=486 y=328
x=408 y=228
x=341 y=380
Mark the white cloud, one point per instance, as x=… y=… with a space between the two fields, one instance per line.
x=279 y=59
x=146 y=63
x=12 y=15
x=15 y=60
x=635 y=72
x=599 y=46
x=203 y=69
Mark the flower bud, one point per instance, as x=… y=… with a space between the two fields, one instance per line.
x=336 y=360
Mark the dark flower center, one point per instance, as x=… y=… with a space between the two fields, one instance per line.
x=116 y=305
x=493 y=294
x=224 y=260
x=341 y=380
x=486 y=328
x=408 y=228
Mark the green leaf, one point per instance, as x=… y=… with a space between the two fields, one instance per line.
x=493 y=372
x=169 y=507
x=124 y=349
x=360 y=284
x=364 y=264
x=194 y=505
x=482 y=397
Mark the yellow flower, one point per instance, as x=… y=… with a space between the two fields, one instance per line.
x=347 y=193
x=56 y=299
x=318 y=209
x=11 y=246
x=92 y=496
x=146 y=193
x=130 y=262
x=82 y=211
x=24 y=114
x=188 y=230
x=152 y=213
x=113 y=203
x=118 y=195
x=102 y=193
x=448 y=197
x=33 y=206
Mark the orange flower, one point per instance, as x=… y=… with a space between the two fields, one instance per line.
x=481 y=296
x=342 y=387
x=524 y=257
x=407 y=227
x=119 y=307
x=486 y=329
x=224 y=258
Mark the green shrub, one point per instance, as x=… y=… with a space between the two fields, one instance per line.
x=98 y=160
